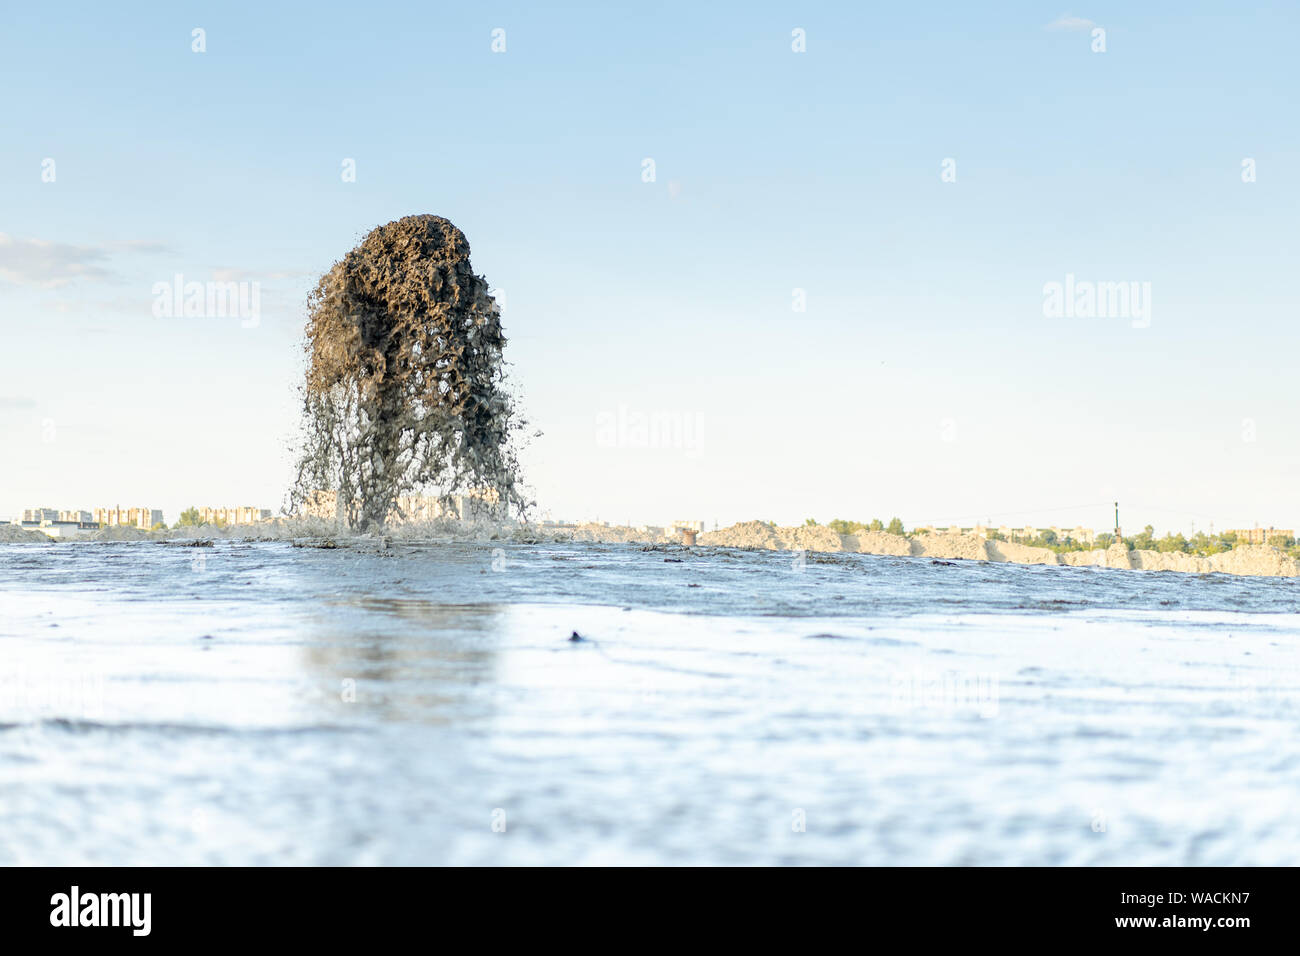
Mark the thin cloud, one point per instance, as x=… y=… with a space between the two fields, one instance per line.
x=139 y=301
x=51 y=265
x=140 y=245
x=1067 y=22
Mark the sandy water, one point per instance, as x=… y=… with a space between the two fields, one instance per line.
x=264 y=704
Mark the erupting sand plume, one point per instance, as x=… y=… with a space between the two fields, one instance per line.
x=405 y=381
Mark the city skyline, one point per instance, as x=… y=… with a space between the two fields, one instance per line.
x=424 y=508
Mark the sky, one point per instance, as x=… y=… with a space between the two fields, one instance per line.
x=827 y=301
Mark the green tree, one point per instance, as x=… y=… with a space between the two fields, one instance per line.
x=1172 y=542
x=840 y=526
x=895 y=526
x=189 y=518
x=876 y=525
x=1105 y=539
x=810 y=522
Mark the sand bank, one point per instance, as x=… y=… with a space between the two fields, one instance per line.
x=1260 y=560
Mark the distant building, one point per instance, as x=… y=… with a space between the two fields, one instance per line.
x=687 y=526
x=321 y=504
x=67 y=529
x=1078 y=533
x=484 y=503
x=417 y=508
x=119 y=517
x=1260 y=535
x=58 y=524
x=1031 y=533
x=234 y=516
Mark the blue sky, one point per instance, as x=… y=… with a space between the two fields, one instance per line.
x=923 y=379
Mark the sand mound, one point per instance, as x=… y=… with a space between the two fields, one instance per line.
x=616 y=534
x=1083 y=559
x=1247 y=560
x=12 y=534
x=1116 y=557
x=1169 y=561
x=747 y=534
x=810 y=538
x=877 y=542
x=949 y=546
x=1255 y=559
x=1021 y=553
x=763 y=536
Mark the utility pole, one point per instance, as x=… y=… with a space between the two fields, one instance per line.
x=1118 y=537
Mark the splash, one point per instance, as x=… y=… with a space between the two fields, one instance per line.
x=405 y=389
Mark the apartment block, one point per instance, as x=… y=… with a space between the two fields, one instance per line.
x=233 y=516
x=119 y=517
x=1260 y=535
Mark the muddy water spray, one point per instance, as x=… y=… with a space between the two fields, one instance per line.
x=405 y=378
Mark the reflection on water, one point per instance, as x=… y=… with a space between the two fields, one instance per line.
x=403 y=658
x=278 y=705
